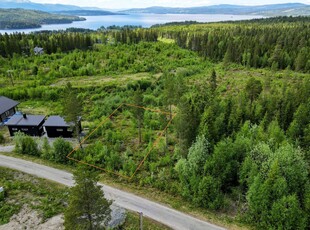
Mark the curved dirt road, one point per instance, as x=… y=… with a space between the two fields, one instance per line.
x=158 y=212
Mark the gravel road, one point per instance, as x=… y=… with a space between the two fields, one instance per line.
x=158 y=212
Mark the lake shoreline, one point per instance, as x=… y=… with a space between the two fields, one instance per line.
x=143 y=20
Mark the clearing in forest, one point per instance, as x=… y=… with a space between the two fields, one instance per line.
x=122 y=142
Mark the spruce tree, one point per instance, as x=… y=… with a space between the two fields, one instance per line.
x=72 y=109
x=88 y=209
x=138 y=112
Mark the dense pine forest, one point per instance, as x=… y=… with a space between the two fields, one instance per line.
x=239 y=142
x=278 y=43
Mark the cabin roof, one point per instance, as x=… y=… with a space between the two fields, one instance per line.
x=56 y=121
x=30 y=120
x=38 y=49
x=6 y=104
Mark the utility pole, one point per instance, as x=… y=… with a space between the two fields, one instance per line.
x=141 y=220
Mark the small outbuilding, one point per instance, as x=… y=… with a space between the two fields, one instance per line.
x=38 y=50
x=31 y=125
x=56 y=126
x=7 y=108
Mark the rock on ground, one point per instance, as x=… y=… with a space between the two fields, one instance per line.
x=118 y=216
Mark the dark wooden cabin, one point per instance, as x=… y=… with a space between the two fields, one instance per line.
x=56 y=126
x=7 y=108
x=31 y=125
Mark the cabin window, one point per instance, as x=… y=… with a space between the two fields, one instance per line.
x=24 y=129
x=7 y=113
x=14 y=129
x=59 y=130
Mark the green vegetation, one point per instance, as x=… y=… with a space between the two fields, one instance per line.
x=22 y=189
x=24 y=44
x=25 y=19
x=5 y=136
x=87 y=209
x=278 y=43
x=47 y=197
x=133 y=223
x=56 y=152
x=25 y=144
x=269 y=10
x=239 y=144
x=72 y=109
x=2 y=139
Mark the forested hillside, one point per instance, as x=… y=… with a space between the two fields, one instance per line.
x=24 y=19
x=278 y=43
x=269 y=9
x=239 y=143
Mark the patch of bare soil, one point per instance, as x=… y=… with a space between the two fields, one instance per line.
x=28 y=219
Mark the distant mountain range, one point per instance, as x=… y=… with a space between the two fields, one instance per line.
x=87 y=12
x=28 y=5
x=268 y=10
x=54 y=8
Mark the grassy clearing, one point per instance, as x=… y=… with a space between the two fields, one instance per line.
x=83 y=81
x=232 y=79
x=166 y=40
x=41 y=107
x=120 y=134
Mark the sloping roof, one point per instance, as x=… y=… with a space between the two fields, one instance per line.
x=56 y=121
x=30 y=120
x=38 y=50
x=6 y=104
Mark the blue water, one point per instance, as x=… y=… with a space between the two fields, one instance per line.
x=144 y=20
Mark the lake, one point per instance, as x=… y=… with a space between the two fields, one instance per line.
x=144 y=20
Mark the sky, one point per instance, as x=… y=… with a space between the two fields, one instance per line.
x=122 y=4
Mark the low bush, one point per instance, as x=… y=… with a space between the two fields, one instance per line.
x=25 y=144
x=2 y=139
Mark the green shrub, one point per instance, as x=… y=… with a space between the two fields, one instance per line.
x=61 y=149
x=209 y=194
x=2 y=195
x=2 y=139
x=46 y=150
x=25 y=144
x=286 y=213
x=7 y=210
